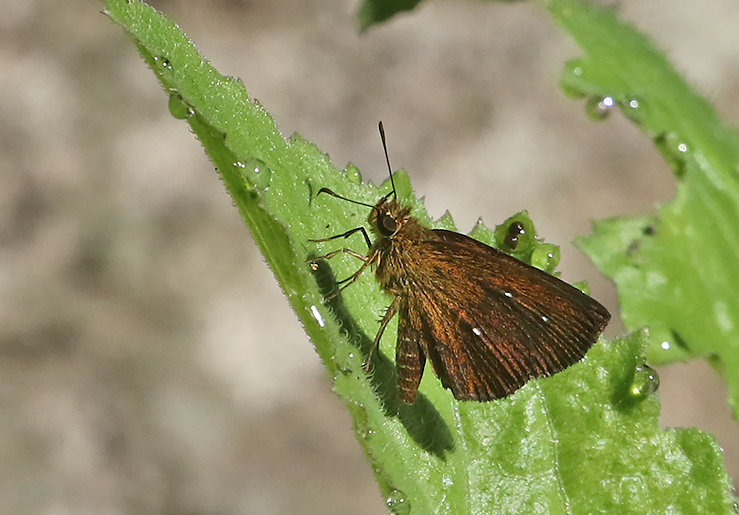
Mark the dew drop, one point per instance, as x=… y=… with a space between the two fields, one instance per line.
x=598 y=108
x=674 y=150
x=665 y=345
x=361 y=418
x=255 y=173
x=345 y=360
x=163 y=62
x=516 y=235
x=515 y=231
x=634 y=109
x=644 y=383
x=369 y=434
x=179 y=108
x=353 y=174
x=397 y=503
x=545 y=257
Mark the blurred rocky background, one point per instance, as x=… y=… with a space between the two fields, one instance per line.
x=149 y=363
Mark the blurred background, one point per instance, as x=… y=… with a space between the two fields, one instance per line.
x=149 y=363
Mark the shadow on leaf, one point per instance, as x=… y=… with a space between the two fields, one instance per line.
x=421 y=419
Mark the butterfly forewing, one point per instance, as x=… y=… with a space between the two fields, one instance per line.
x=487 y=321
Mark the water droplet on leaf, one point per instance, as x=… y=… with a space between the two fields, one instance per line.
x=255 y=173
x=353 y=174
x=397 y=503
x=515 y=231
x=545 y=257
x=598 y=108
x=674 y=150
x=644 y=383
x=163 y=62
x=179 y=108
x=634 y=109
x=516 y=235
x=346 y=360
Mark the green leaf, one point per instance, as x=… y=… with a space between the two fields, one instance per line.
x=373 y=12
x=676 y=272
x=583 y=441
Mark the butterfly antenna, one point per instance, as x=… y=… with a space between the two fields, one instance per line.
x=387 y=159
x=333 y=194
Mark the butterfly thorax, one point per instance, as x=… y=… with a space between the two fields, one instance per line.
x=398 y=234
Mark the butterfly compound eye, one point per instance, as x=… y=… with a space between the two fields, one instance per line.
x=387 y=225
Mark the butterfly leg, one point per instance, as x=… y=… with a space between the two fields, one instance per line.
x=346 y=235
x=336 y=252
x=389 y=314
x=349 y=280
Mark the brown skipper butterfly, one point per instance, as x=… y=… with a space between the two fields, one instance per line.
x=487 y=321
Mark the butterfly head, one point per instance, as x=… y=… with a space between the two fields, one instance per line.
x=388 y=217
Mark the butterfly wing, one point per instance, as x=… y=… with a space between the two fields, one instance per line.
x=487 y=321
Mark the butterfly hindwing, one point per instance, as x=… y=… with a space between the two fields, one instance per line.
x=510 y=331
